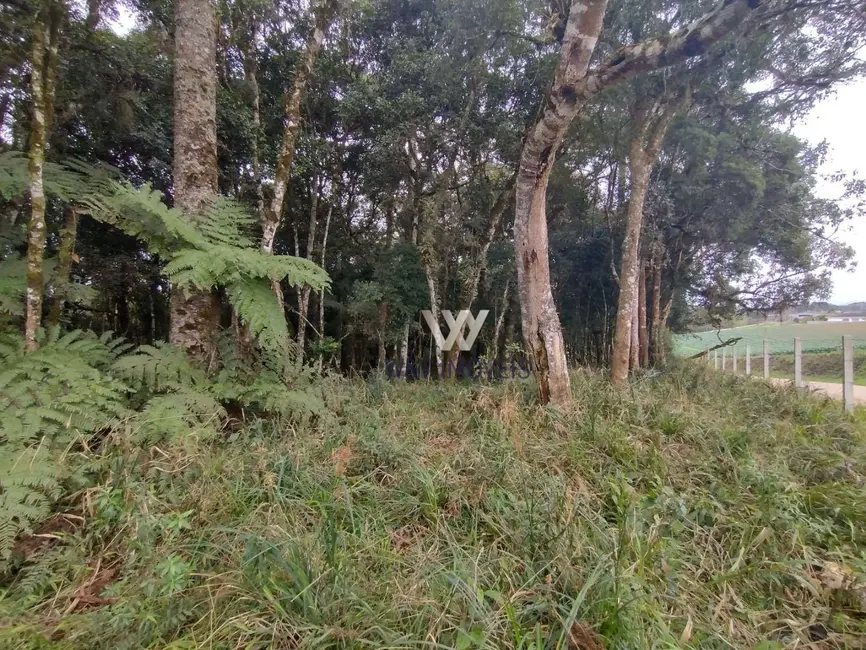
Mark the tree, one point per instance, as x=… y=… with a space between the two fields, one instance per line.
x=44 y=61
x=573 y=86
x=195 y=314
x=323 y=15
x=651 y=118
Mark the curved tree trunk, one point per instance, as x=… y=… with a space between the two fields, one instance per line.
x=194 y=315
x=273 y=213
x=542 y=334
x=571 y=89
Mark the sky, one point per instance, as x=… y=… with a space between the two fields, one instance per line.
x=839 y=119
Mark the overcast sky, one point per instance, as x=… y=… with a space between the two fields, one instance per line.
x=839 y=119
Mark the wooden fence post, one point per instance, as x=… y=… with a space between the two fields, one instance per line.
x=734 y=359
x=748 y=361
x=724 y=359
x=798 y=362
x=766 y=359
x=716 y=359
x=848 y=372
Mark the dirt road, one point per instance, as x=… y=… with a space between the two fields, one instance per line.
x=829 y=389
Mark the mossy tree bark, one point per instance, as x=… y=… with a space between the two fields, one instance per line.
x=195 y=314
x=45 y=55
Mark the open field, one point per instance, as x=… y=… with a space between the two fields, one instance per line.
x=692 y=510
x=816 y=336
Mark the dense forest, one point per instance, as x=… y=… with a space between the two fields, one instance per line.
x=407 y=148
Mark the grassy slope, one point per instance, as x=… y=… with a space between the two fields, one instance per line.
x=816 y=336
x=693 y=510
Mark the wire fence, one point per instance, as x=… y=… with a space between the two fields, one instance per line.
x=843 y=364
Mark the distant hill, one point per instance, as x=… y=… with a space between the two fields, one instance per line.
x=828 y=307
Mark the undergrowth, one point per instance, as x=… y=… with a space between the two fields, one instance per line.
x=692 y=510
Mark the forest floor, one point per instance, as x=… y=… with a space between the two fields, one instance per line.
x=689 y=510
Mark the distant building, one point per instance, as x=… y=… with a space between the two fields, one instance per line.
x=847 y=318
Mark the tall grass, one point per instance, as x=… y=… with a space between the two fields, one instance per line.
x=691 y=510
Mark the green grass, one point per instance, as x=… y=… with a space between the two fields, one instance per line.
x=816 y=336
x=690 y=510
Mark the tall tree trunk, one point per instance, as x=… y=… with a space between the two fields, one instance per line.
x=656 y=339
x=500 y=319
x=383 y=306
x=322 y=264
x=651 y=123
x=65 y=258
x=634 y=346
x=93 y=10
x=305 y=290
x=251 y=74
x=571 y=89
x=46 y=32
x=414 y=189
x=194 y=315
x=643 y=334
x=273 y=214
x=542 y=334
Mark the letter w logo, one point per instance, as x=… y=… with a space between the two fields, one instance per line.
x=456 y=326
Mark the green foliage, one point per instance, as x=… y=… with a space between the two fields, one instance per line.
x=464 y=517
x=49 y=400
x=213 y=250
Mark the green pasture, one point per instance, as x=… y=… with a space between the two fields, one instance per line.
x=816 y=337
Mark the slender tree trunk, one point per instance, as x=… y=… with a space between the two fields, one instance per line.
x=643 y=334
x=322 y=291
x=628 y=275
x=656 y=339
x=305 y=290
x=383 y=306
x=413 y=239
x=634 y=347
x=46 y=31
x=251 y=74
x=651 y=124
x=195 y=315
x=273 y=214
x=500 y=319
x=65 y=258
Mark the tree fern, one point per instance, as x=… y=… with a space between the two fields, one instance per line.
x=48 y=398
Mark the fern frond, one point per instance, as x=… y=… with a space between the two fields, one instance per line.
x=256 y=305
x=178 y=414
x=49 y=397
x=159 y=367
x=226 y=222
